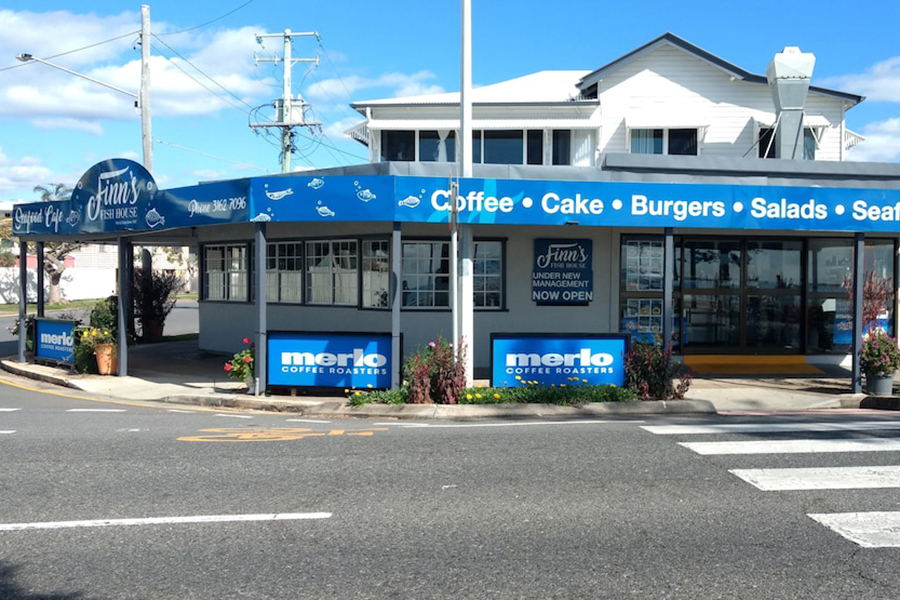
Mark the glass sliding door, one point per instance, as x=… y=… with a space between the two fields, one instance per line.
x=742 y=296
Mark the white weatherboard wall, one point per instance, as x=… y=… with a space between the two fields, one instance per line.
x=686 y=91
x=78 y=283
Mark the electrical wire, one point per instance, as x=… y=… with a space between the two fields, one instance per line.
x=88 y=47
x=219 y=18
x=223 y=88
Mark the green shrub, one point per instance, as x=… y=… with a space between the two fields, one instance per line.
x=433 y=375
x=650 y=373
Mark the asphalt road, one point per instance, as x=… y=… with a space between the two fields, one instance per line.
x=370 y=509
x=183 y=319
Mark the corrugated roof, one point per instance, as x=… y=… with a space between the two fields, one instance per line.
x=540 y=87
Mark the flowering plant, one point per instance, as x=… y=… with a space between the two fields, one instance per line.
x=880 y=354
x=91 y=337
x=240 y=367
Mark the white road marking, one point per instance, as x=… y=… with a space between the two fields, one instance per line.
x=831 y=478
x=7 y=431
x=310 y=421
x=769 y=427
x=175 y=410
x=9 y=409
x=530 y=423
x=233 y=416
x=96 y=410
x=869 y=530
x=794 y=446
x=163 y=521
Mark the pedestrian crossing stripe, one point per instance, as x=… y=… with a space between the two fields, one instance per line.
x=724 y=428
x=867 y=529
x=828 y=478
x=794 y=446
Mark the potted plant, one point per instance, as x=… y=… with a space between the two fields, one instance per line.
x=879 y=359
x=154 y=296
x=103 y=344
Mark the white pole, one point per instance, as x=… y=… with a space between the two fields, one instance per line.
x=146 y=130
x=466 y=245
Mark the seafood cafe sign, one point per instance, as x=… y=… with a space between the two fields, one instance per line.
x=120 y=195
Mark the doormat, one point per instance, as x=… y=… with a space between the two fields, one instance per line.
x=717 y=364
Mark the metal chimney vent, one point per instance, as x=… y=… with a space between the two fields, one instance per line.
x=788 y=75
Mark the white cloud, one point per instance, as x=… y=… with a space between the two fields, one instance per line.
x=393 y=84
x=54 y=123
x=882 y=143
x=879 y=83
x=24 y=173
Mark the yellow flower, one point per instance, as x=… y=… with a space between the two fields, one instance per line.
x=496 y=395
x=468 y=396
x=357 y=392
x=478 y=395
x=346 y=391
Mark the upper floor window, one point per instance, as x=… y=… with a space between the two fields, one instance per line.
x=502 y=146
x=664 y=141
x=767 y=143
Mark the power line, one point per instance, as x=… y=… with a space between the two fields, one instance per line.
x=88 y=47
x=219 y=18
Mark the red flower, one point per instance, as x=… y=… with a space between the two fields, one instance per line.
x=246 y=340
x=248 y=359
x=227 y=366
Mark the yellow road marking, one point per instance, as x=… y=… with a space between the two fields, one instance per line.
x=266 y=434
x=106 y=401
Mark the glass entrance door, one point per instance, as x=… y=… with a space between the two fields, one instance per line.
x=741 y=296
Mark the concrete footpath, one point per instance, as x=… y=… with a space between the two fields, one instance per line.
x=179 y=372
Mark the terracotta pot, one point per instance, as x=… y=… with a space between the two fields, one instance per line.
x=152 y=330
x=107 y=359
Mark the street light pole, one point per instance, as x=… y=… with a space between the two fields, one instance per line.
x=142 y=100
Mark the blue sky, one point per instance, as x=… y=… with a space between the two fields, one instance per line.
x=206 y=87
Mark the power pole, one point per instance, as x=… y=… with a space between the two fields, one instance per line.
x=284 y=108
x=144 y=100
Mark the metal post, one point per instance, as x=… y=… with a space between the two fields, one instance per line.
x=126 y=260
x=859 y=249
x=668 y=287
x=40 y=278
x=396 y=303
x=261 y=357
x=23 y=298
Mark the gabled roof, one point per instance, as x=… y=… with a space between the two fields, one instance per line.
x=542 y=87
x=673 y=40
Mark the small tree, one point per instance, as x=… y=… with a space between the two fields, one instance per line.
x=878 y=292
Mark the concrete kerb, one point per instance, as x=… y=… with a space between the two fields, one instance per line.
x=336 y=408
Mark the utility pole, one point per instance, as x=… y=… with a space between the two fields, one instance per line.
x=146 y=134
x=284 y=108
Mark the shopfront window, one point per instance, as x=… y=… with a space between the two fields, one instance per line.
x=425 y=277
x=331 y=272
x=284 y=272
x=829 y=278
x=376 y=274
x=225 y=273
